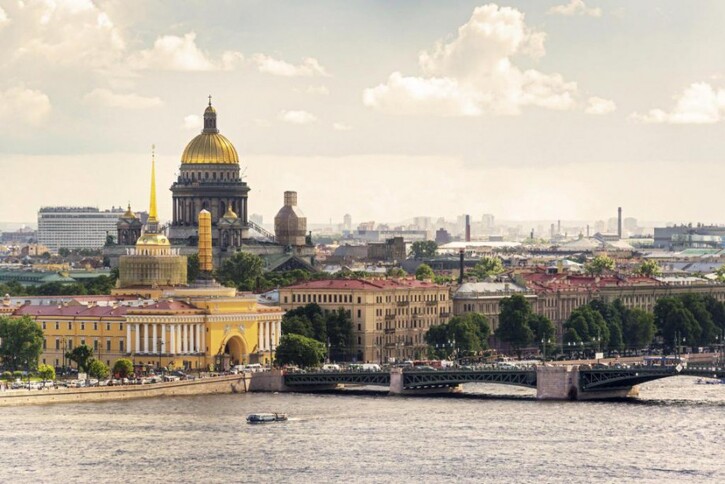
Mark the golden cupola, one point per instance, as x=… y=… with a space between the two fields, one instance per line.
x=210 y=147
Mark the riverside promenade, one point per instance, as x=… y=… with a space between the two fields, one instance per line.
x=201 y=386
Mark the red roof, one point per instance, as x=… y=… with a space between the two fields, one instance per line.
x=165 y=306
x=365 y=284
x=541 y=282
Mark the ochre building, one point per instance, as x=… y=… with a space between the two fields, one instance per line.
x=389 y=316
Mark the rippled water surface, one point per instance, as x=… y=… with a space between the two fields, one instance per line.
x=674 y=432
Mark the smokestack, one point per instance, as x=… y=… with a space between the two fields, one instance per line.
x=587 y=230
x=461 y=255
x=558 y=226
x=205 y=260
x=619 y=222
x=552 y=231
x=468 y=228
x=532 y=234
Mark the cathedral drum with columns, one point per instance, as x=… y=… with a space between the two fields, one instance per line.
x=209 y=179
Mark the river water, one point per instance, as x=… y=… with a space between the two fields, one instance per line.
x=674 y=432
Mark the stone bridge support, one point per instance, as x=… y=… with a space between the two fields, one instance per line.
x=562 y=383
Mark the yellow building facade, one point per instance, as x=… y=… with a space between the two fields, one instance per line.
x=389 y=316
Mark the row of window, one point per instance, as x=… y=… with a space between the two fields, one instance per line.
x=96 y=344
x=322 y=298
x=82 y=325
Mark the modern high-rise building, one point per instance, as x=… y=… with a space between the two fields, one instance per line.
x=76 y=227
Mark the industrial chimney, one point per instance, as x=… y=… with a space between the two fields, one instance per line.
x=619 y=222
x=461 y=255
x=468 y=228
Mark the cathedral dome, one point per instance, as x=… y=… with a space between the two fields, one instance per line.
x=210 y=146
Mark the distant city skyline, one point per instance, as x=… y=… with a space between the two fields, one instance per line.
x=560 y=109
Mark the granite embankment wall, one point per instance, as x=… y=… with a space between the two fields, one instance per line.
x=204 y=386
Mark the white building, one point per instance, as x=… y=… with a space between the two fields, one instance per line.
x=76 y=227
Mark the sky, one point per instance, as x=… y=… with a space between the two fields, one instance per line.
x=546 y=109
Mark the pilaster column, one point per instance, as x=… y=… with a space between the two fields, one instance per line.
x=172 y=339
x=138 y=338
x=198 y=337
x=203 y=338
x=163 y=348
x=146 y=337
x=128 y=338
x=155 y=341
x=178 y=339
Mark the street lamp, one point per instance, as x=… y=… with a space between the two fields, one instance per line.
x=543 y=343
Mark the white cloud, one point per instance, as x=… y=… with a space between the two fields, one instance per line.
x=70 y=32
x=341 y=127
x=308 y=68
x=575 y=7
x=474 y=72
x=297 y=117
x=3 y=17
x=699 y=103
x=319 y=90
x=108 y=98
x=598 y=105
x=173 y=53
x=27 y=106
x=192 y=121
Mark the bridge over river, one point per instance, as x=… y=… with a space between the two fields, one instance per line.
x=574 y=382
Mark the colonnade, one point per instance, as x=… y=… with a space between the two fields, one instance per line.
x=269 y=332
x=167 y=339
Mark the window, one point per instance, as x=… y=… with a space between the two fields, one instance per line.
x=83 y=342
x=359 y=300
x=120 y=326
x=70 y=325
x=108 y=326
x=285 y=299
x=57 y=325
x=57 y=344
x=45 y=345
x=359 y=340
x=359 y=313
x=95 y=326
x=359 y=327
x=108 y=345
x=95 y=345
x=120 y=346
x=83 y=326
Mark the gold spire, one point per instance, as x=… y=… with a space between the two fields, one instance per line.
x=152 y=205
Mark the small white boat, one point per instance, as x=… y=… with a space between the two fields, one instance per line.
x=256 y=418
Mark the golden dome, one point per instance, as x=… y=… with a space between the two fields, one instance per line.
x=230 y=213
x=129 y=215
x=210 y=148
x=149 y=239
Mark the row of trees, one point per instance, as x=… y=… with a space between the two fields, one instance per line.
x=22 y=344
x=308 y=335
x=100 y=285
x=693 y=319
x=520 y=327
x=463 y=335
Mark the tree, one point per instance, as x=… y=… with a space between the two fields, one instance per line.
x=424 y=272
x=192 y=268
x=81 y=355
x=513 y=322
x=242 y=270
x=63 y=252
x=486 y=267
x=423 y=249
x=589 y=325
x=22 y=342
x=396 y=272
x=46 y=372
x=122 y=368
x=297 y=325
x=98 y=369
x=638 y=328
x=295 y=349
x=339 y=334
x=542 y=327
x=599 y=264
x=649 y=268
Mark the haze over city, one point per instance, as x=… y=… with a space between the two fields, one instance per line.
x=527 y=110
